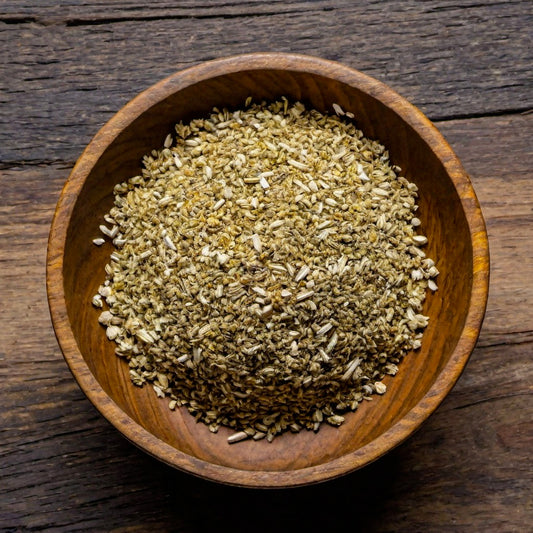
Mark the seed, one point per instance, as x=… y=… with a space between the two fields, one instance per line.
x=105 y=318
x=351 y=369
x=222 y=258
x=268 y=173
x=313 y=186
x=249 y=351
x=204 y=329
x=301 y=296
x=433 y=272
x=105 y=291
x=332 y=343
x=302 y=273
x=391 y=369
x=301 y=166
x=324 y=224
x=367 y=389
x=339 y=154
x=167 y=240
x=324 y=356
x=145 y=254
x=236 y=437
x=112 y=332
x=341 y=264
x=362 y=174
x=417 y=274
x=219 y=204
x=98 y=241
x=432 y=285
x=381 y=388
x=338 y=109
x=302 y=185
x=324 y=329
x=266 y=311
x=158 y=391
x=260 y=291
x=196 y=354
x=335 y=420
x=420 y=239
x=163 y=380
x=256 y=241
x=111 y=233
x=144 y=336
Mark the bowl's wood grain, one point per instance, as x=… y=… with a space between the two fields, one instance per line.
x=450 y=215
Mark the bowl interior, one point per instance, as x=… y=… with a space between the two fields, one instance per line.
x=443 y=221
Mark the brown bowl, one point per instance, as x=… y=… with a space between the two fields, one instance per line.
x=451 y=218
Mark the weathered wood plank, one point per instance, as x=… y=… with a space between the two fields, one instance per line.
x=80 y=11
x=66 y=67
x=467 y=468
x=60 y=83
x=64 y=468
x=498 y=155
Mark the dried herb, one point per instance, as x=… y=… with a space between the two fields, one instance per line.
x=267 y=272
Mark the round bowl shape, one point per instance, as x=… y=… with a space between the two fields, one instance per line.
x=450 y=215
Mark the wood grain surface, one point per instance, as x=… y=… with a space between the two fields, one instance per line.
x=467 y=66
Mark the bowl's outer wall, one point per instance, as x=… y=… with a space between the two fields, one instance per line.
x=444 y=194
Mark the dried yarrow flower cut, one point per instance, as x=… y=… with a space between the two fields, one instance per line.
x=267 y=272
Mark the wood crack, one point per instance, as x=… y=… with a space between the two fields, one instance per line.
x=511 y=338
x=74 y=22
x=462 y=7
x=24 y=19
x=149 y=18
x=492 y=399
x=468 y=116
x=25 y=163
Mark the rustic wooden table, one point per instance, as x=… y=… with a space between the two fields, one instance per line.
x=66 y=67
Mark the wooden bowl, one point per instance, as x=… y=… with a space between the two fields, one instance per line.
x=450 y=215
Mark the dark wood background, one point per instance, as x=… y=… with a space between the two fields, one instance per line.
x=65 y=70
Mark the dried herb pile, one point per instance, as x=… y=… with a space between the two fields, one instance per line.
x=267 y=272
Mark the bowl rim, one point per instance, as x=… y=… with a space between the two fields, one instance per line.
x=163 y=451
